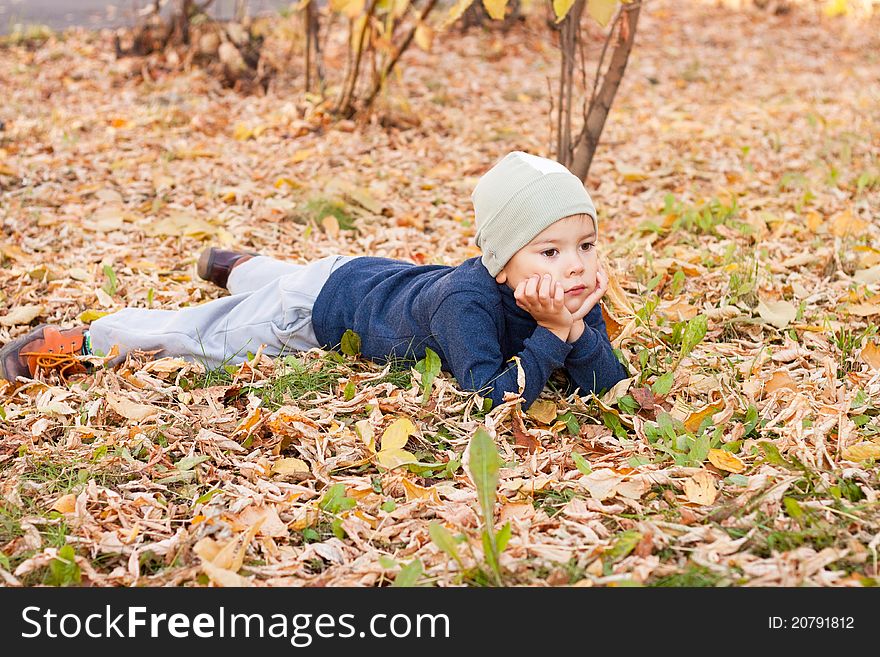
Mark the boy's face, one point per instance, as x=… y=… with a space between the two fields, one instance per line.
x=567 y=251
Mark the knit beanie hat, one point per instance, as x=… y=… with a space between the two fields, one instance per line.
x=520 y=196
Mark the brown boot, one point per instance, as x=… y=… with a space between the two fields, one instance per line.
x=47 y=348
x=215 y=264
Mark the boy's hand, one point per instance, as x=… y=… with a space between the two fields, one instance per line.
x=544 y=299
x=589 y=303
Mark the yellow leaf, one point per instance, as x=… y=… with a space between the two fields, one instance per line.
x=365 y=432
x=561 y=8
x=424 y=36
x=131 y=410
x=542 y=410
x=89 y=316
x=242 y=132
x=724 y=460
x=601 y=10
x=777 y=313
x=692 y=423
x=456 y=11
x=415 y=492
x=700 y=489
x=495 y=8
x=392 y=458
x=862 y=452
x=844 y=222
x=290 y=466
x=397 y=434
x=871 y=355
x=247 y=425
x=630 y=173
x=833 y=8
x=183 y=224
x=21 y=315
x=349 y=8
x=224 y=577
x=301 y=155
x=330 y=224
x=65 y=504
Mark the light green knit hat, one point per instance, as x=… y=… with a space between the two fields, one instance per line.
x=519 y=197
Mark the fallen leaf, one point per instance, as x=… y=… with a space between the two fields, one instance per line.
x=131 y=410
x=694 y=420
x=871 y=354
x=65 y=504
x=862 y=452
x=780 y=379
x=21 y=315
x=392 y=454
x=724 y=460
x=601 y=484
x=290 y=466
x=543 y=411
x=415 y=492
x=700 y=489
x=777 y=313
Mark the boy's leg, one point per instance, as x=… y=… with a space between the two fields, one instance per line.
x=254 y=273
x=278 y=315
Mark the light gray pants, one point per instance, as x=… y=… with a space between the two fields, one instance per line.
x=270 y=304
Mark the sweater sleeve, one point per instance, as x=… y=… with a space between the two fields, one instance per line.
x=591 y=364
x=467 y=333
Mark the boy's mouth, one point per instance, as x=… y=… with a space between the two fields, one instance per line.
x=577 y=289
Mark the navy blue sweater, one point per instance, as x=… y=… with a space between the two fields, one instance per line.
x=467 y=318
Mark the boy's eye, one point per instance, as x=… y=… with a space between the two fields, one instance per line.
x=549 y=253
x=586 y=246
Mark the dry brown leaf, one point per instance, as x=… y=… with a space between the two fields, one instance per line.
x=131 y=410
x=65 y=504
x=700 y=489
x=21 y=315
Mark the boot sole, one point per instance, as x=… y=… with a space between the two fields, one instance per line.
x=10 y=353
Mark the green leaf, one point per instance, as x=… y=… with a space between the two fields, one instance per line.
x=429 y=368
x=793 y=509
x=484 y=464
x=737 y=480
x=349 y=391
x=695 y=331
x=699 y=450
x=409 y=574
x=771 y=453
x=207 y=497
x=503 y=537
x=581 y=463
x=663 y=385
x=189 y=462
x=351 y=343
x=443 y=540
x=334 y=500
x=571 y=423
x=111 y=284
x=63 y=569
x=387 y=562
x=625 y=543
x=388 y=506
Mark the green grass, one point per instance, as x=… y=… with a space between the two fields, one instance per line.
x=691 y=576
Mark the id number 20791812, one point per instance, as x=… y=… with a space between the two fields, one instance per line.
x=811 y=623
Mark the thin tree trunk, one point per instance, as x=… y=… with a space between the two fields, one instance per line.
x=377 y=84
x=569 y=37
x=600 y=105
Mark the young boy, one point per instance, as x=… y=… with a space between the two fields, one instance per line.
x=532 y=299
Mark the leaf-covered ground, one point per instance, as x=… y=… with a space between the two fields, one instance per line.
x=738 y=187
